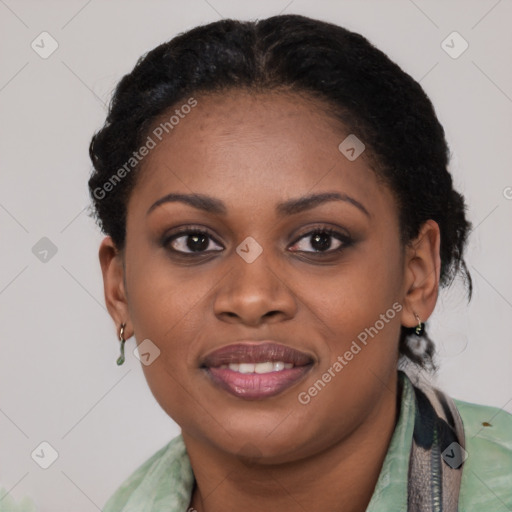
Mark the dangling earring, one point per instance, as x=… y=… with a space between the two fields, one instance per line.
x=420 y=328
x=120 y=359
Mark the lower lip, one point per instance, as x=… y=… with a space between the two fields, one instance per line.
x=255 y=386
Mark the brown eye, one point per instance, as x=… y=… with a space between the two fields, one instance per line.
x=189 y=241
x=321 y=241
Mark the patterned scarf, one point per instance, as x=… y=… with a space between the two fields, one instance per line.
x=437 y=453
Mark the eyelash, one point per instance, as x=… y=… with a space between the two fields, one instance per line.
x=192 y=230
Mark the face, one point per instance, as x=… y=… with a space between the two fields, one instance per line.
x=210 y=285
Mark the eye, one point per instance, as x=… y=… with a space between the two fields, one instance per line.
x=189 y=240
x=320 y=240
x=193 y=240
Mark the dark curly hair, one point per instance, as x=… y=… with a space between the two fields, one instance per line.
x=371 y=95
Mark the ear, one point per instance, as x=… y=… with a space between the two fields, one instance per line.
x=422 y=271
x=112 y=268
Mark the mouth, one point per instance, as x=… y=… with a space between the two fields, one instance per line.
x=256 y=370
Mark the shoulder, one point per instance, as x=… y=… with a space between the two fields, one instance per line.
x=170 y=464
x=483 y=422
x=487 y=471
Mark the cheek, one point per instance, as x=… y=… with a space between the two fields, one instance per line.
x=169 y=316
x=361 y=307
x=356 y=294
x=161 y=295
x=165 y=307
x=362 y=312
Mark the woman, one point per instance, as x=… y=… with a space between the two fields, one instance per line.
x=279 y=219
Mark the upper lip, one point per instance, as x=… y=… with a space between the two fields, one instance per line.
x=255 y=352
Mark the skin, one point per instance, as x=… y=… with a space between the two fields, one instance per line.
x=253 y=151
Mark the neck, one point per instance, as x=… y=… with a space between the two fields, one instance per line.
x=341 y=477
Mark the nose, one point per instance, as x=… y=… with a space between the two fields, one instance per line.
x=254 y=293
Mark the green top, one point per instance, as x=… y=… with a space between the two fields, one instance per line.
x=165 y=481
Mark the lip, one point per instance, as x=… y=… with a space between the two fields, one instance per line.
x=254 y=386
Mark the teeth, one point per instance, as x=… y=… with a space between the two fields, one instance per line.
x=266 y=367
x=246 y=368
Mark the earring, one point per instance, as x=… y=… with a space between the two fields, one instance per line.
x=420 y=328
x=120 y=359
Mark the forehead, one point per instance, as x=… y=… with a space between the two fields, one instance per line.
x=246 y=144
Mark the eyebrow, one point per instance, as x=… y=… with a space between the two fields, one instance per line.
x=290 y=207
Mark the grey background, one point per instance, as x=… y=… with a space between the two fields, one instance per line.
x=58 y=378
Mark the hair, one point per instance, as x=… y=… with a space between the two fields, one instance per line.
x=371 y=95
